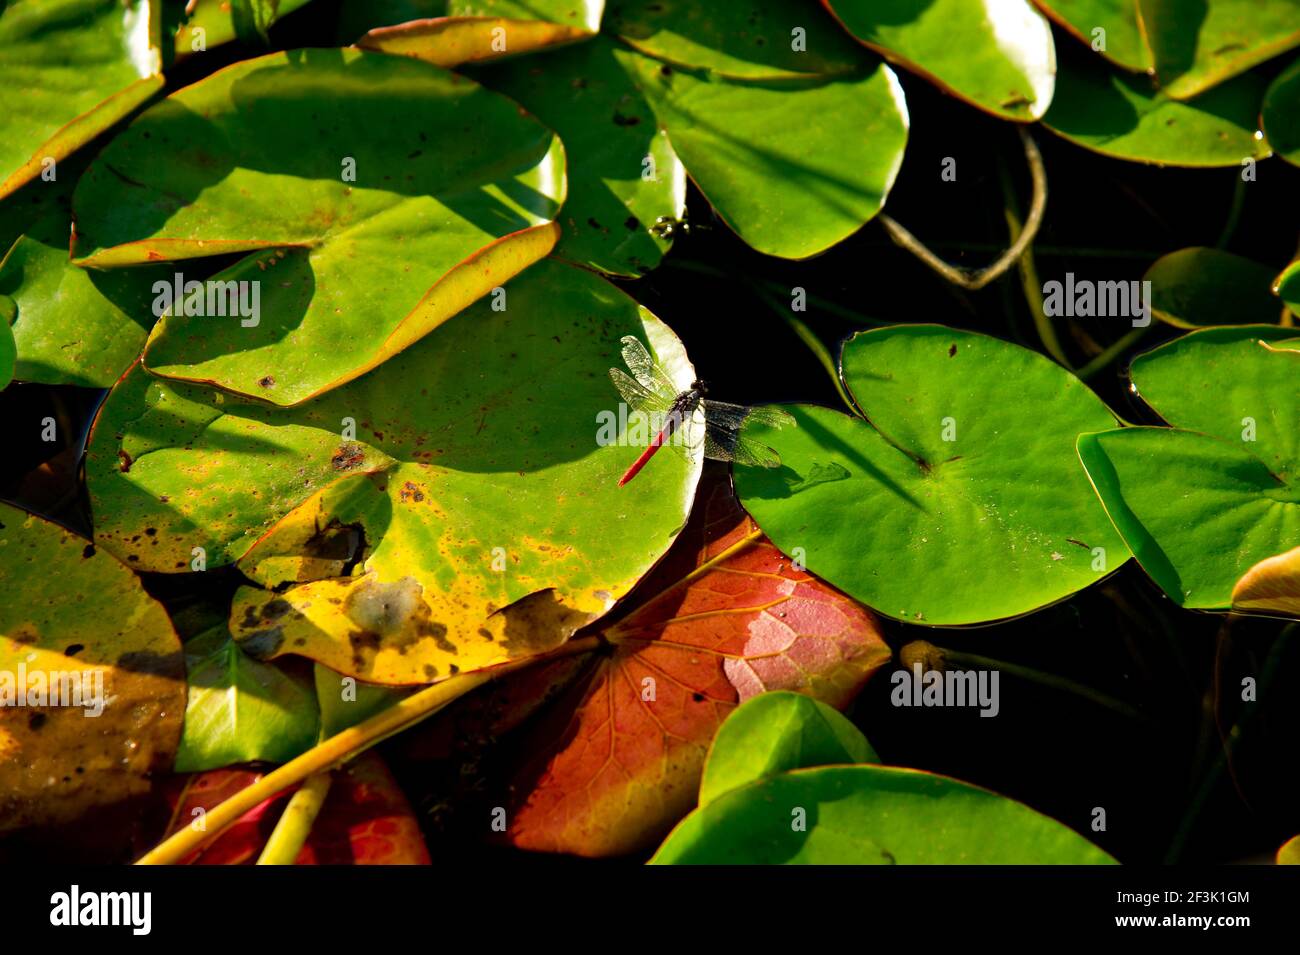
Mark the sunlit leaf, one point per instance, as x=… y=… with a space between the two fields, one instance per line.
x=346 y=274
x=1121 y=40
x=959 y=499
x=871 y=815
x=997 y=56
x=1199 y=44
x=1126 y=117
x=71 y=68
x=1271 y=586
x=776 y=732
x=1204 y=501
x=465 y=523
x=241 y=710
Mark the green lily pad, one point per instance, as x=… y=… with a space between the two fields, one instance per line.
x=72 y=68
x=959 y=500
x=76 y=621
x=616 y=198
x=1199 y=44
x=343 y=274
x=8 y=353
x=464 y=522
x=73 y=326
x=203 y=24
x=345 y=701
x=793 y=166
x=1122 y=42
x=1126 y=117
x=779 y=38
x=1281 y=114
x=1204 y=501
x=775 y=732
x=241 y=710
x=1197 y=287
x=1287 y=286
x=871 y=815
x=999 y=57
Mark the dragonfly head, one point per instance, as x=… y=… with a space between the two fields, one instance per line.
x=699 y=387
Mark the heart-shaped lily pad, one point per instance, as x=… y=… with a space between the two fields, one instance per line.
x=449 y=510
x=999 y=57
x=71 y=68
x=1198 y=45
x=371 y=215
x=1127 y=117
x=793 y=166
x=242 y=710
x=776 y=732
x=91 y=679
x=1280 y=114
x=871 y=815
x=778 y=38
x=1120 y=39
x=1204 y=501
x=959 y=499
x=1197 y=287
x=624 y=178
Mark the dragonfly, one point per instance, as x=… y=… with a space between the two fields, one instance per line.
x=649 y=391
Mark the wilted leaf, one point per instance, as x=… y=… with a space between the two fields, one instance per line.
x=999 y=57
x=1199 y=44
x=871 y=815
x=241 y=710
x=1204 y=501
x=84 y=630
x=776 y=732
x=366 y=820
x=1198 y=287
x=1271 y=586
x=465 y=523
x=1126 y=117
x=346 y=274
x=71 y=68
x=724 y=619
x=959 y=499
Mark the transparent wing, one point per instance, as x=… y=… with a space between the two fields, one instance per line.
x=645 y=369
x=724 y=441
x=637 y=396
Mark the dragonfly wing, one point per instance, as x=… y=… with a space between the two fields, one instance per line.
x=636 y=394
x=771 y=416
x=724 y=440
x=645 y=369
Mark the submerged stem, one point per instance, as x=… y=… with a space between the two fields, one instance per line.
x=293 y=828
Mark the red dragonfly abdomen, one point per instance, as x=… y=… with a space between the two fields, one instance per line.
x=683 y=407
